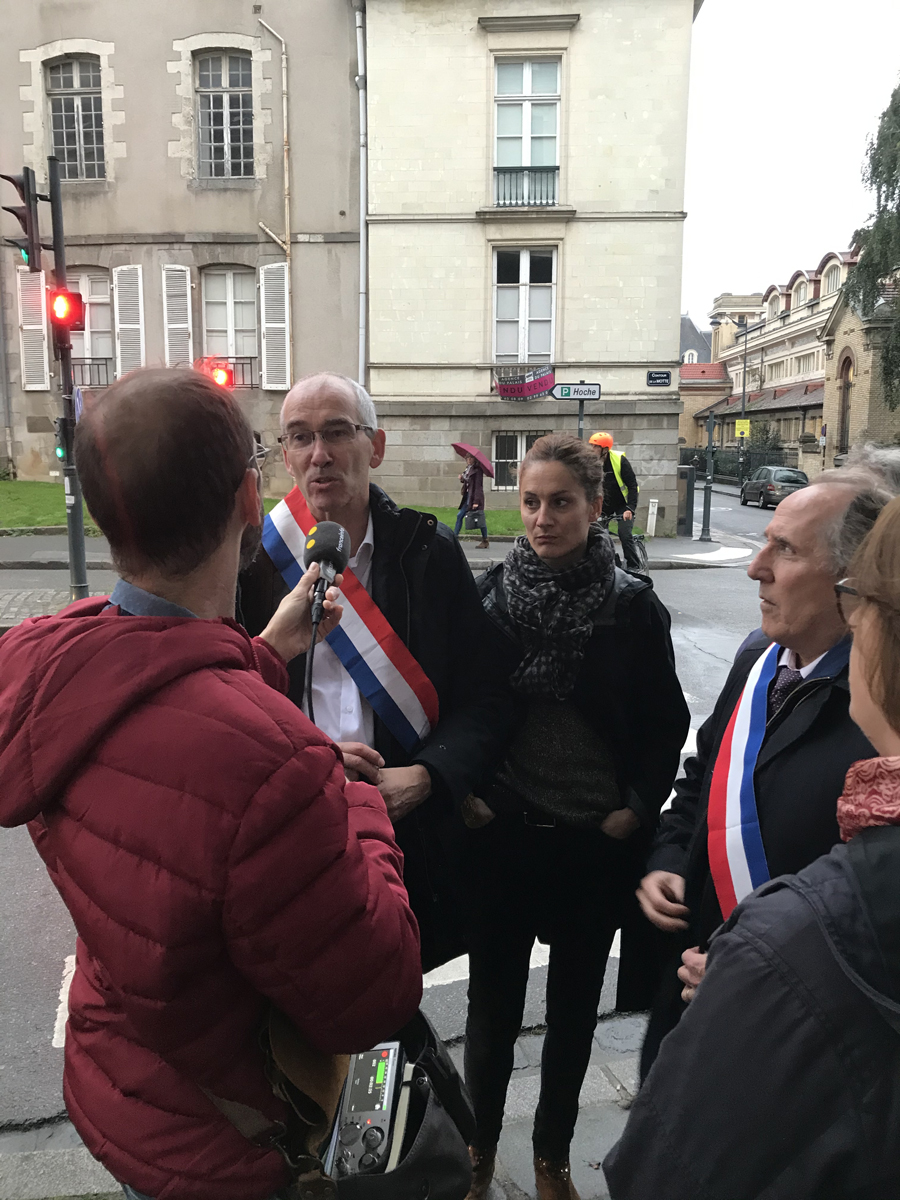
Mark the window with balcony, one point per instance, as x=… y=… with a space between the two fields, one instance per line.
x=526 y=155
x=229 y=321
x=76 y=117
x=225 y=115
x=509 y=450
x=524 y=305
x=92 y=349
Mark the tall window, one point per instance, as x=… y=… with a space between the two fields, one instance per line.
x=690 y=356
x=509 y=450
x=832 y=279
x=524 y=305
x=225 y=107
x=229 y=313
x=526 y=160
x=800 y=295
x=92 y=349
x=773 y=307
x=76 y=118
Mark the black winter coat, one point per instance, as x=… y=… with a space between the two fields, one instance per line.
x=423 y=584
x=782 y=1081
x=808 y=748
x=628 y=690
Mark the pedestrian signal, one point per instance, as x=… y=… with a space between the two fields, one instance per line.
x=66 y=309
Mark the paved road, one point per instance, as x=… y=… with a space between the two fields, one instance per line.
x=730 y=517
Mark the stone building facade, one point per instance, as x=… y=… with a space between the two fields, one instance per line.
x=168 y=125
x=854 y=407
x=526 y=172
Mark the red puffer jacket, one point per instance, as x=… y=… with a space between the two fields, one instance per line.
x=213 y=858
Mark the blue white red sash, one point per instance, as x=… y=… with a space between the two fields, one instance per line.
x=370 y=651
x=737 y=859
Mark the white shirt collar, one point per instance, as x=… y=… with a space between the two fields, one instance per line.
x=788 y=658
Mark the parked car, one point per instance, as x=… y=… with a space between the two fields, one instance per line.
x=768 y=485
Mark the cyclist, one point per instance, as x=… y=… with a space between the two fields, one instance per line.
x=620 y=493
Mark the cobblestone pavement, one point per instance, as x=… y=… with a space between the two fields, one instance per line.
x=15 y=606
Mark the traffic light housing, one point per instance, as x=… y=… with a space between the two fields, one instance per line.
x=66 y=310
x=26 y=214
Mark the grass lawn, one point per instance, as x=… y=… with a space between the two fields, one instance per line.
x=499 y=520
x=25 y=504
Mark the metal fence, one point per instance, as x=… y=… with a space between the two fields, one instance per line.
x=726 y=463
x=516 y=187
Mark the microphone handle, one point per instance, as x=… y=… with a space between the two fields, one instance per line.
x=318 y=603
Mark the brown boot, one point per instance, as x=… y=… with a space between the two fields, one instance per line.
x=553 y=1180
x=484 y=544
x=483 y=1162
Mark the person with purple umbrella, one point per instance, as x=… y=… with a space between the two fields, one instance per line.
x=472 y=500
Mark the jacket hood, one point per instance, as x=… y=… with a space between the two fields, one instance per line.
x=66 y=680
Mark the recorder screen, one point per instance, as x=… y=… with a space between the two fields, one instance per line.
x=371 y=1080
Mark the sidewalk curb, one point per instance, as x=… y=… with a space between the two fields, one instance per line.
x=38 y=530
x=48 y=564
x=41 y=1174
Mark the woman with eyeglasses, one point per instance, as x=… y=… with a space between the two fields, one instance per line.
x=783 y=1078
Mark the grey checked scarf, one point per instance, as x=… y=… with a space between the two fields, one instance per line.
x=552 y=612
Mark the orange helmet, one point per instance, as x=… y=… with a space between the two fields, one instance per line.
x=601 y=439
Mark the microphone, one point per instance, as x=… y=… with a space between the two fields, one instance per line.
x=328 y=544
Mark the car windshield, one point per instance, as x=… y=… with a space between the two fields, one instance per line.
x=790 y=477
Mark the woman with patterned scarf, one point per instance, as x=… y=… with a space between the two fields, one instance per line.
x=783 y=1078
x=556 y=839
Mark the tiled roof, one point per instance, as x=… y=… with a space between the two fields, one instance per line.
x=713 y=371
x=802 y=395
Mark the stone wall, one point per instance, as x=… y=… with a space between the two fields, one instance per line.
x=870 y=418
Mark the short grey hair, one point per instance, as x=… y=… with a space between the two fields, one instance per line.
x=365 y=409
x=874 y=474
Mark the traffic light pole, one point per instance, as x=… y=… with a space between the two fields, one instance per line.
x=74 y=508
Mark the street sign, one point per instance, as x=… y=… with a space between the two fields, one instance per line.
x=823 y=442
x=742 y=428
x=659 y=379
x=576 y=391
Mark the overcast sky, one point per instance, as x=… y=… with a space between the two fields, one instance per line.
x=784 y=96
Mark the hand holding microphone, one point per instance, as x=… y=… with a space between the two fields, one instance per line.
x=312 y=606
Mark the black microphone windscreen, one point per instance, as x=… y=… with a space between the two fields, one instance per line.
x=329 y=543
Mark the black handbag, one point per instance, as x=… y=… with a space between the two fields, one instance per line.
x=434 y=1158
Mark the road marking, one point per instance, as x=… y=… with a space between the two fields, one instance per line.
x=722 y=555
x=62 y=1011
x=458 y=968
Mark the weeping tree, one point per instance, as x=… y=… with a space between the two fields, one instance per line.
x=877 y=275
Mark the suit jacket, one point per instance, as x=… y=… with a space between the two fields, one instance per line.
x=423 y=585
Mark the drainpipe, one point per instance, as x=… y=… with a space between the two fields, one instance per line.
x=286 y=244
x=359 y=7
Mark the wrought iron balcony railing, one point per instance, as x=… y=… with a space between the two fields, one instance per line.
x=246 y=372
x=518 y=187
x=92 y=372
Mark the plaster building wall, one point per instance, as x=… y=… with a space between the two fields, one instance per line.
x=616 y=227
x=153 y=208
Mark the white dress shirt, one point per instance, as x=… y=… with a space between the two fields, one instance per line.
x=340 y=708
x=788 y=658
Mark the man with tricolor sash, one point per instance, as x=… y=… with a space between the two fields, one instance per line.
x=393 y=685
x=759 y=798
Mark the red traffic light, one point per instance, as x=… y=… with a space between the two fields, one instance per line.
x=219 y=370
x=67 y=309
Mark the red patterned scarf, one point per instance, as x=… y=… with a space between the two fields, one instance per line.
x=871 y=796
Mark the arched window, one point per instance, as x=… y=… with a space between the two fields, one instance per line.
x=832 y=279
x=773 y=307
x=846 y=386
x=76 y=117
x=690 y=356
x=800 y=293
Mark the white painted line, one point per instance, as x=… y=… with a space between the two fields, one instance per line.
x=722 y=555
x=62 y=1011
x=458 y=968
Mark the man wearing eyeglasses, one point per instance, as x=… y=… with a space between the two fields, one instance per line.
x=413 y=571
x=759 y=797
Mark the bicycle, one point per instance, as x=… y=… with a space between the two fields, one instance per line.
x=639 y=548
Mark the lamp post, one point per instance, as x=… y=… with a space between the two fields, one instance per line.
x=744 y=330
x=707 y=486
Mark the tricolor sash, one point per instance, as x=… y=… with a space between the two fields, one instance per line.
x=370 y=651
x=737 y=859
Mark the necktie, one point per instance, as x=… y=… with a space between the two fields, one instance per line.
x=786 y=679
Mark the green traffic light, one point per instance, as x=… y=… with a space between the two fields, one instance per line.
x=24 y=254
x=60 y=453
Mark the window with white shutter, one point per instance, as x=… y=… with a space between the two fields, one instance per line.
x=177 y=316
x=276 y=368
x=129 y=305
x=33 y=330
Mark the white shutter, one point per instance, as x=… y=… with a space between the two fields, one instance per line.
x=276 y=368
x=33 y=330
x=129 y=306
x=177 y=316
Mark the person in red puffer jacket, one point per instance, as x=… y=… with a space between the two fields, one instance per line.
x=199 y=828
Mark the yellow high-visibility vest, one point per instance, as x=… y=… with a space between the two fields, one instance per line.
x=616 y=459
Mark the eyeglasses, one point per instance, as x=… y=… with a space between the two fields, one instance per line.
x=848 y=598
x=259 y=455
x=339 y=434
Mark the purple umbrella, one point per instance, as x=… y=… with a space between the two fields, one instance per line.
x=464 y=448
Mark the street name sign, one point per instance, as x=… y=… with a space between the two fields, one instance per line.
x=742 y=428
x=659 y=379
x=576 y=391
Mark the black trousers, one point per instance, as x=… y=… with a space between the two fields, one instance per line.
x=626 y=537
x=566 y=885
